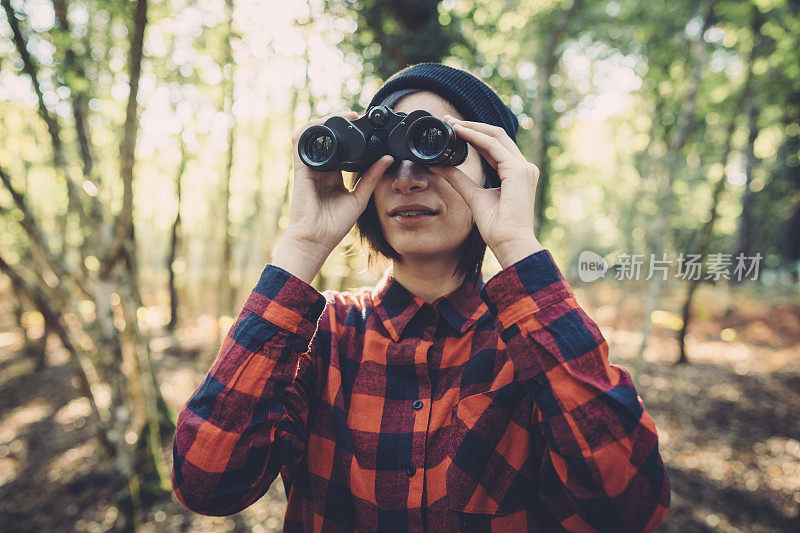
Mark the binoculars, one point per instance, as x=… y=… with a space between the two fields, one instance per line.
x=353 y=146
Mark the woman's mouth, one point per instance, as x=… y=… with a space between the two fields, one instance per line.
x=409 y=216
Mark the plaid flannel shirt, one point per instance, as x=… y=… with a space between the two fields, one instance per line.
x=493 y=408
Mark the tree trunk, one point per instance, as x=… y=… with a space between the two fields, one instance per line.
x=684 y=126
x=704 y=238
x=544 y=116
x=744 y=241
x=174 y=241
x=226 y=285
x=98 y=231
x=130 y=427
x=253 y=256
x=408 y=33
x=789 y=238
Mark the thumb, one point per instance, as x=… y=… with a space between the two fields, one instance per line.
x=366 y=185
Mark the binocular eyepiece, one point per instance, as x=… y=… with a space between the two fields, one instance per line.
x=353 y=146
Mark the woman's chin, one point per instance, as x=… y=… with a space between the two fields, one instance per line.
x=421 y=250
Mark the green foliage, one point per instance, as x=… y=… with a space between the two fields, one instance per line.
x=607 y=117
x=405 y=32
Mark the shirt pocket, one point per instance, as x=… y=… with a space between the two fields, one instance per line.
x=493 y=459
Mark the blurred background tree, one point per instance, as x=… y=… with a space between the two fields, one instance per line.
x=145 y=158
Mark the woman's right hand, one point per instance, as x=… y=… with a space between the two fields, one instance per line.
x=322 y=209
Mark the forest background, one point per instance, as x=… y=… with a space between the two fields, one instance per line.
x=145 y=175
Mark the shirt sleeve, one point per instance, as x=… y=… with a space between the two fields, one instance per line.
x=601 y=469
x=248 y=419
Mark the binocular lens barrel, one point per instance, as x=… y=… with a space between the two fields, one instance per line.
x=318 y=146
x=434 y=142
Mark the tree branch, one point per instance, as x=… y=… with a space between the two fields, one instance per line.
x=78 y=104
x=550 y=52
x=29 y=66
x=79 y=361
x=38 y=240
x=685 y=122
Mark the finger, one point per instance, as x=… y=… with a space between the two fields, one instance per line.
x=487 y=146
x=366 y=185
x=493 y=131
x=463 y=184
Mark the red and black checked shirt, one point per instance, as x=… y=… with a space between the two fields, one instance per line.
x=493 y=408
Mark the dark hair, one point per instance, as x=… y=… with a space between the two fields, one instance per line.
x=369 y=228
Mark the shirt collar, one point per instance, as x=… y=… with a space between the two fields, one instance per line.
x=396 y=305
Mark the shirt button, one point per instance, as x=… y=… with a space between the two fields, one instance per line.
x=411 y=471
x=417 y=405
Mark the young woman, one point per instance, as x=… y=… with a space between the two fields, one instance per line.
x=433 y=401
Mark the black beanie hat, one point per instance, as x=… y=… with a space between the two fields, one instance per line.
x=473 y=98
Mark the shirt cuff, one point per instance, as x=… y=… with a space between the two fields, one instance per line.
x=526 y=287
x=287 y=302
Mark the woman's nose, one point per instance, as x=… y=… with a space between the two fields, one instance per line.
x=410 y=177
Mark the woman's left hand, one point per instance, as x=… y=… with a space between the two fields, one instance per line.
x=504 y=215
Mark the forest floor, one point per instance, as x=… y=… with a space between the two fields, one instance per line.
x=728 y=422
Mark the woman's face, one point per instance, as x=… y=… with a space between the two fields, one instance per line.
x=443 y=232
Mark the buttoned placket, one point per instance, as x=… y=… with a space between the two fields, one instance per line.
x=422 y=409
